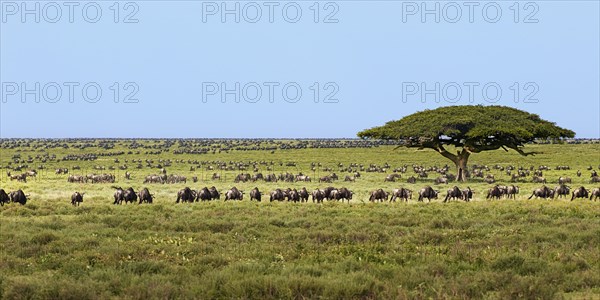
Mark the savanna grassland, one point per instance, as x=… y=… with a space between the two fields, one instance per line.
x=490 y=249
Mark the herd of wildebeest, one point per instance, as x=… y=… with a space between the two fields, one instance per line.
x=213 y=172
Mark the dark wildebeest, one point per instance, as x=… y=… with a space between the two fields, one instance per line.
x=412 y=179
x=145 y=196
x=538 y=179
x=328 y=191
x=580 y=192
x=185 y=195
x=494 y=192
x=350 y=178
x=561 y=191
x=119 y=193
x=325 y=179
x=318 y=195
x=467 y=194
x=214 y=194
x=453 y=194
x=255 y=194
x=378 y=195
x=344 y=194
x=595 y=194
x=3 y=197
x=234 y=194
x=401 y=193
x=543 y=192
x=203 y=194
x=595 y=179
x=129 y=195
x=18 y=197
x=77 y=198
x=303 y=194
x=427 y=192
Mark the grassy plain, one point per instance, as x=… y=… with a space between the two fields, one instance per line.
x=483 y=249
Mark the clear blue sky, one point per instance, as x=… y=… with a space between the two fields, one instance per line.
x=368 y=55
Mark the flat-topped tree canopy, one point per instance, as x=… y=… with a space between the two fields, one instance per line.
x=474 y=128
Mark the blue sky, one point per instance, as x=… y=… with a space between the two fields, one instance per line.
x=179 y=57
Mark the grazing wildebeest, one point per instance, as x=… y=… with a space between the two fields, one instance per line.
x=494 y=192
x=119 y=193
x=203 y=195
x=427 y=192
x=318 y=195
x=293 y=195
x=145 y=196
x=538 y=179
x=453 y=194
x=216 y=176
x=18 y=197
x=77 y=198
x=350 y=178
x=595 y=179
x=325 y=179
x=391 y=178
x=412 y=179
x=194 y=179
x=578 y=173
x=561 y=191
x=303 y=194
x=185 y=195
x=595 y=193
x=328 y=191
x=441 y=180
x=378 y=195
x=3 y=197
x=277 y=194
x=234 y=194
x=543 y=192
x=255 y=194
x=129 y=195
x=580 y=192
x=564 y=180
x=401 y=193
x=467 y=194
x=512 y=191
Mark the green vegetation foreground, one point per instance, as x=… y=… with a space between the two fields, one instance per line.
x=497 y=249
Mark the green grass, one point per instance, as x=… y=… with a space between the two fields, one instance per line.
x=484 y=249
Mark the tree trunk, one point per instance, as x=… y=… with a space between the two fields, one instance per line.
x=461 y=166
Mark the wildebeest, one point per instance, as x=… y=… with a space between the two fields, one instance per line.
x=595 y=193
x=453 y=193
x=277 y=194
x=411 y=179
x=538 y=179
x=402 y=194
x=77 y=198
x=214 y=193
x=580 y=192
x=391 y=178
x=119 y=193
x=543 y=192
x=186 y=195
x=255 y=194
x=318 y=195
x=441 y=180
x=325 y=179
x=203 y=195
x=145 y=196
x=234 y=194
x=155 y=179
x=18 y=197
x=494 y=192
x=512 y=191
x=293 y=195
x=303 y=194
x=344 y=194
x=3 y=197
x=129 y=195
x=561 y=191
x=467 y=194
x=563 y=180
x=378 y=195
x=428 y=192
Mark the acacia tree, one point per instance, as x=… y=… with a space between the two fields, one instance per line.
x=472 y=129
